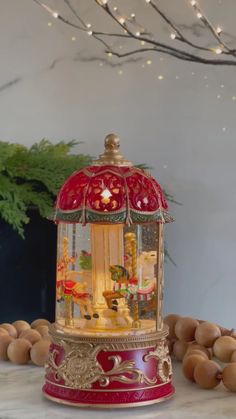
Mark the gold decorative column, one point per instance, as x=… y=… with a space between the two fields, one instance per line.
x=107 y=247
x=131 y=265
x=160 y=275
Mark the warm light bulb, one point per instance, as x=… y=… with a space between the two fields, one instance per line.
x=218 y=50
x=149 y=62
x=106 y=194
x=218 y=30
x=193 y=2
x=147 y=1
x=122 y=20
x=115 y=9
x=137 y=33
x=55 y=15
x=160 y=77
x=199 y=15
x=88 y=25
x=73 y=38
x=109 y=54
x=142 y=42
x=173 y=35
x=49 y=23
x=90 y=32
x=132 y=15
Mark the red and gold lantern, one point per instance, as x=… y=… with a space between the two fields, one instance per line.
x=109 y=344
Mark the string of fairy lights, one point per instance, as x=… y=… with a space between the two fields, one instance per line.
x=132 y=29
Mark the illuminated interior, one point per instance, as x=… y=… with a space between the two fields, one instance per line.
x=109 y=278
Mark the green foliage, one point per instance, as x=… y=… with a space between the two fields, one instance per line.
x=30 y=178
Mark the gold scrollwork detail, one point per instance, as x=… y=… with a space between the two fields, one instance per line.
x=164 y=366
x=133 y=375
x=80 y=368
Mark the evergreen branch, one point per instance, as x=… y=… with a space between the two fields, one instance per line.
x=30 y=178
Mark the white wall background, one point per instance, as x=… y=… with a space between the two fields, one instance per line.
x=55 y=88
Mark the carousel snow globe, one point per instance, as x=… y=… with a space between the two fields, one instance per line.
x=108 y=341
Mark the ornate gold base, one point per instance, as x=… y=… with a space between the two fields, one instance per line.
x=108 y=372
x=108 y=406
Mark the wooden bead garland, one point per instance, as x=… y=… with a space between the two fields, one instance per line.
x=21 y=342
x=195 y=342
x=192 y=341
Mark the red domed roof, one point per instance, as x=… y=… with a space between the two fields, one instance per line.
x=111 y=193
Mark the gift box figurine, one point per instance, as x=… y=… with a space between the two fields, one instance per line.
x=108 y=341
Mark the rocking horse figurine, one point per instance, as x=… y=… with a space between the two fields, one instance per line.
x=121 y=289
x=82 y=298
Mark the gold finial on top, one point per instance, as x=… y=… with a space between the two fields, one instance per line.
x=111 y=155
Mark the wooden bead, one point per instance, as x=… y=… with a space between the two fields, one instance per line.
x=39 y=352
x=3 y=332
x=10 y=329
x=31 y=335
x=206 y=334
x=229 y=376
x=20 y=326
x=194 y=346
x=39 y=322
x=189 y=364
x=43 y=330
x=233 y=357
x=196 y=352
x=179 y=349
x=19 y=351
x=171 y=320
x=224 y=347
x=5 y=341
x=206 y=374
x=185 y=329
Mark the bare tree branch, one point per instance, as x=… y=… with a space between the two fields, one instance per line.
x=135 y=31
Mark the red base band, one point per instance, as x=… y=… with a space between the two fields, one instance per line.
x=108 y=399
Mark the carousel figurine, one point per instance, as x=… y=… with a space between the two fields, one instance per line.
x=109 y=344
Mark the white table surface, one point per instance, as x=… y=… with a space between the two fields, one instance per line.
x=21 y=398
